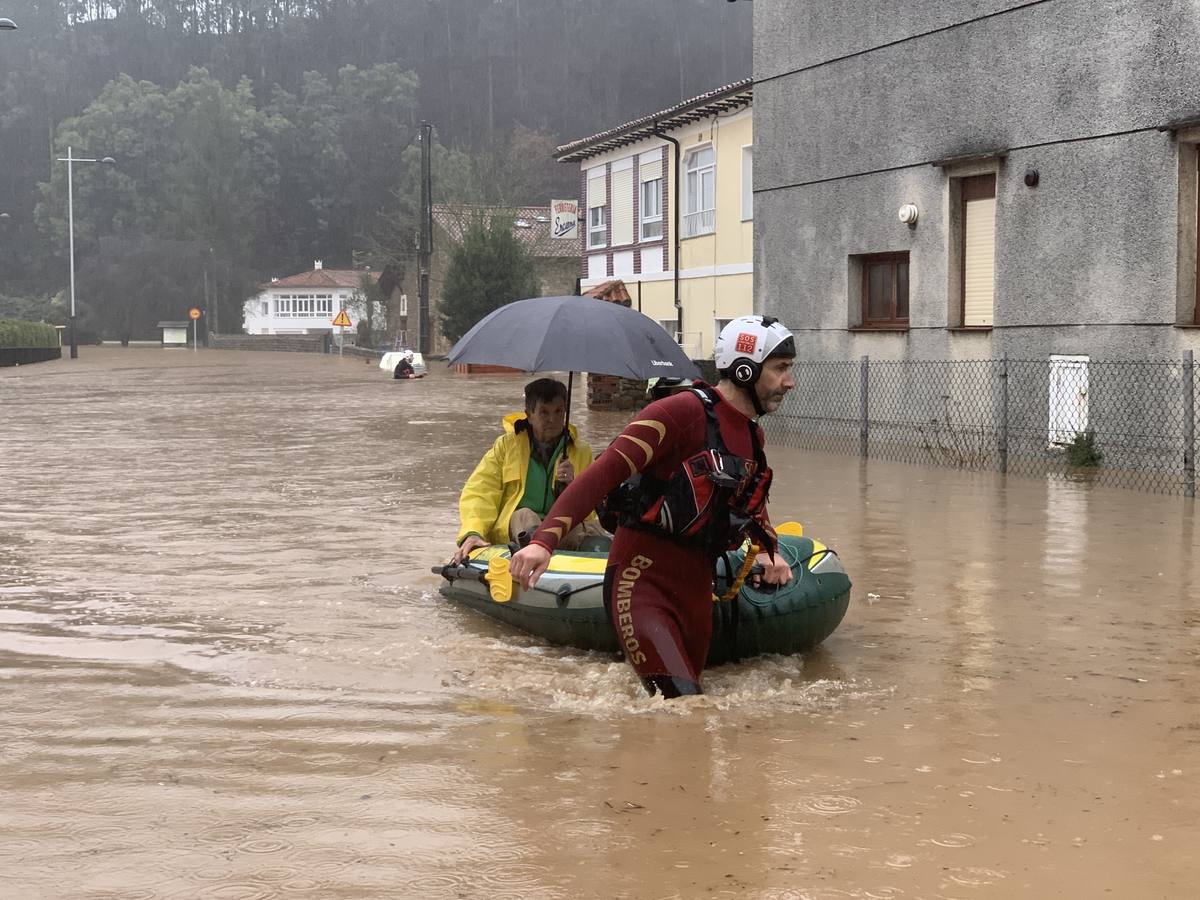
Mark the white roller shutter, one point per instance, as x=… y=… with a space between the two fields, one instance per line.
x=596 y=188
x=622 y=207
x=979 y=261
x=649 y=171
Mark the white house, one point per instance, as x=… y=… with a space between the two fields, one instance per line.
x=308 y=302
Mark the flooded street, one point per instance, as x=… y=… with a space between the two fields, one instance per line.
x=226 y=670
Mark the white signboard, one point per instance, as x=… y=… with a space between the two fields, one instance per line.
x=564 y=219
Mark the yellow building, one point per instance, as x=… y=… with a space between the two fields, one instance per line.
x=701 y=152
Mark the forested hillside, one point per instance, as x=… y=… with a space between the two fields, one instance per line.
x=251 y=136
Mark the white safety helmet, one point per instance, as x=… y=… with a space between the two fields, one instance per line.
x=746 y=343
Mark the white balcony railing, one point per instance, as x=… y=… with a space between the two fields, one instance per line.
x=703 y=222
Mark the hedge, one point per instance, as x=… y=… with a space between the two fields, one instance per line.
x=15 y=333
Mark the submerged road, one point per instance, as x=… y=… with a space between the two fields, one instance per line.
x=226 y=672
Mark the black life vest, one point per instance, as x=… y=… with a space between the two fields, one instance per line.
x=713 y=499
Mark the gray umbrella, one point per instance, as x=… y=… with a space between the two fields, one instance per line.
x=573 y=334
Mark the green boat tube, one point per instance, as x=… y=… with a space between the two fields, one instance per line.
x=566 y=607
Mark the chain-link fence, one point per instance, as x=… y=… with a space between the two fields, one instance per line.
x=1128 y=424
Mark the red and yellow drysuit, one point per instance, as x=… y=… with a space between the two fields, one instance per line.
x=657 y=587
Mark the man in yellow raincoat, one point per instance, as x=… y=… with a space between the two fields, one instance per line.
x=519 y=478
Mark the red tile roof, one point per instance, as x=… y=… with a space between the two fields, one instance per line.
x=613 y=291
x=323 y=278
x=453 y=219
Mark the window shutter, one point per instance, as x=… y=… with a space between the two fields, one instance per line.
x=979 y=261
x=596 y=185
x=622 y=207
x=649 y=171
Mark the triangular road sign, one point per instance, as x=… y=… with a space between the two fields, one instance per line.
x=342 y=319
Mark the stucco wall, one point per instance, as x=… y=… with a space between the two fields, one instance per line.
x=1086 y=261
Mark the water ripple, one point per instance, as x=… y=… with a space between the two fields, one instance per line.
x=829 y=804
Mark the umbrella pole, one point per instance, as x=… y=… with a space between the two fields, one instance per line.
x=567 y=424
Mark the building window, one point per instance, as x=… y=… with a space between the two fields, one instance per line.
x=747 y=183
x=885 y=290
x=597 y=201
x=699 y=192
x=671 y=327
x=266 y=308
x=651 y=209
x=596 y=227
x=324 y=304
x=1195 y=192
x=1187 y=260
x=283 y=308
x=404 y=304
x=978 y=250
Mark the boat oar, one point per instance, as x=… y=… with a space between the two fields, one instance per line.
x=497 y=577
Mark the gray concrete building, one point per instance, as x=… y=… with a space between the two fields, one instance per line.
x=968 y=178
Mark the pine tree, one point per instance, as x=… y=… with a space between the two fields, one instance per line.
x=489 y=269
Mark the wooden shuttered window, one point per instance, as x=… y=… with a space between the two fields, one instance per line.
x=885 y=290
x=622 y=206
x=978 y=250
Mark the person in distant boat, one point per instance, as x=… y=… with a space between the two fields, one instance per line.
x=695 y=482
x=404 y=368
x=521 y=476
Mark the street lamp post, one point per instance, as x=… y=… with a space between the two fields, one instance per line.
x=70 y=160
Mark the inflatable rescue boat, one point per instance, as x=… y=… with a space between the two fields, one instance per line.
x=567 y=605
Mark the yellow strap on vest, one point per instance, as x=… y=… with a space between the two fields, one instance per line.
x=747 y=565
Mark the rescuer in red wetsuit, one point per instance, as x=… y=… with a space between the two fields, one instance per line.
x=691 y=500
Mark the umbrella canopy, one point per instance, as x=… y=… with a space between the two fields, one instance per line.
x=573 y=334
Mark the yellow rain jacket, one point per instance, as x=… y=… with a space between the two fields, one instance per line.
x=491 y=494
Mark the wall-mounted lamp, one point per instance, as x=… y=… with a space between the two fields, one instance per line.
x=909 y=214
x=1032 y=177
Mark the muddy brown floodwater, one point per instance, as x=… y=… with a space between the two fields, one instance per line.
x=226 y=670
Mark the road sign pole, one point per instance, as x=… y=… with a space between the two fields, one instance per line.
x=194 y=315
x=341 y=339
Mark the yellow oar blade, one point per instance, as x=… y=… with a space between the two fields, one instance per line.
x=499 y=580
x=791 y=529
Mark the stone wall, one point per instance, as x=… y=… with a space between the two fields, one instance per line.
x=611 y=392
x=285 y=343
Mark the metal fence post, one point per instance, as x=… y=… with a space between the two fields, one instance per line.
x=1002 y=443
x=863 y=432
x=1189 y=425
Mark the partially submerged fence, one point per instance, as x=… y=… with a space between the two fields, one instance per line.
x=24 y=342
x=1128 y=424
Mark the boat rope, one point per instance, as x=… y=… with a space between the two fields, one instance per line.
x=747 y=565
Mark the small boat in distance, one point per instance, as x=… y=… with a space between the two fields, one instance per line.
x=392 y=359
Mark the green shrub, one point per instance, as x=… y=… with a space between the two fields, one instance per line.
x=1082 y=451
x=15 y=333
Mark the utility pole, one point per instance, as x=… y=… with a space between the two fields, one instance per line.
x=426 y=249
